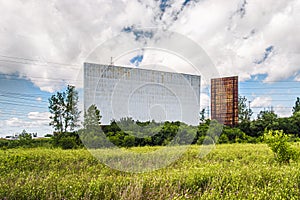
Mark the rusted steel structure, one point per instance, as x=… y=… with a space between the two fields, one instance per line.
x=224 y=100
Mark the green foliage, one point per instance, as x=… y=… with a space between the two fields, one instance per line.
x=233 y=135
x=223 y=139
x=128 y=133
x=71 y=111
x=67 y=142
x=48 y=135
x=25 y=139
x=293 y=124
x=230 y=171
x=63 y=107
x=265 y=120
x=296 y=108
x=32 y=143
x=278 y=142
x=65 y=118
x=129 y=141
x=92 y=118
x=245 y=112
x=215 y=130
x=205 y=140
x=94 y=139
x=202 y=115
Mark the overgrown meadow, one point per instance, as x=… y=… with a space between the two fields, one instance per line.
x=230 y=171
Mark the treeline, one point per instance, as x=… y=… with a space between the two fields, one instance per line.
x=25 y=140
x=270 y=121
x=128 y=133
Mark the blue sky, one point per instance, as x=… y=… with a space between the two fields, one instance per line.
x=43 y=50
x=22 y=106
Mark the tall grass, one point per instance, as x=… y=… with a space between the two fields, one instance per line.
x=235 y=171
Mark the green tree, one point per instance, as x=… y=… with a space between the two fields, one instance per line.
x=72 y=113
x=92 y=117
x=266 y=120
x=92 y=135
x=202 y=115
x=57 y=109
x=296 y=108
x=293 y=124
x=63 y=107
x=129 y=141
x=245 y=113
x=25 y=138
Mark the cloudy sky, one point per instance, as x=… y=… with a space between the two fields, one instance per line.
x=43 y=45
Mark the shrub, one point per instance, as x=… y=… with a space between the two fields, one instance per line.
x=205 y=140
x=223 y=139
x=68 y=142
x=278 y=142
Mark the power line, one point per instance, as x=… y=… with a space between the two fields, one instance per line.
x=265 y=88
x=36 y=64
x=27 y=94
x=36 y=60
x=273 y=94
x=42 y=79
x=17 y=104
x=262 y=81
x=23 y=98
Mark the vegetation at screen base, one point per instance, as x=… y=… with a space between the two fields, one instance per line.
x=128 y=133
x=230 y=171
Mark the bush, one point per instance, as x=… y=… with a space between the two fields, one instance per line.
x=278 y=142
x=234 y=135
x=129 y=141
x=223 y=139
x=68 y=142
x=205 y=140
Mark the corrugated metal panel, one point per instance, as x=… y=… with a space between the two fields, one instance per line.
x=224 y=100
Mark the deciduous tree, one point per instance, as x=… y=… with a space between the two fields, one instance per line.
x=245 y=113
x=296 y=108
x=92 y=117
x=64 y=111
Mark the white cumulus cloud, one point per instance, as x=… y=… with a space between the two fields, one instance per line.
x=58 y=35
x=261 y=102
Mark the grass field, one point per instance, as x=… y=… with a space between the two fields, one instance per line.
x=235 y=171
